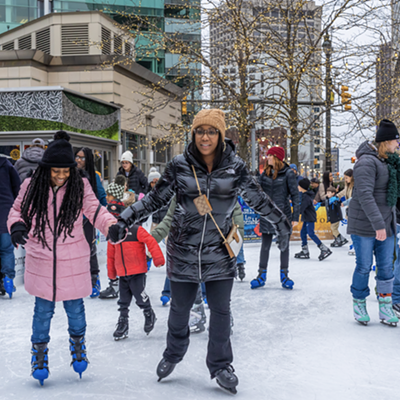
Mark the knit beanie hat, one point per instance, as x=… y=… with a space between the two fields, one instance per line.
x=153 y=174
x=387 y=131
x=213 y=117
x=293 y=166
x=127 y=156
x=304 y=183
x=116 y=190
x=315 y=180
x=277 y=151
x=59 y=153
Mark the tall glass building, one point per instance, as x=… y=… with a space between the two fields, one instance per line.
x=172 y=16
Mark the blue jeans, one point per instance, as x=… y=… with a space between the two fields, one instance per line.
x=240 y=258
x=43 y=313
x=7 y=255
x=308 y=229
x=396 y=283
x=365 y=248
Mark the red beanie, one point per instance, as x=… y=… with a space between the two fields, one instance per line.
x=277 y=151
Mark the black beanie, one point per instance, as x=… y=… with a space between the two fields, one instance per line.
x=59 y=153
x=387 y=131
x=304 y=183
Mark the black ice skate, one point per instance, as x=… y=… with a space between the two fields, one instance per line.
x=164 y=368
x=304 y=254
x=149 y=320
x=227 y=379
x=325 y=252
x=122 y=328
x=198 y=318
x=111 y=292
x=240 y=271
x=343 y=240
x=337 y=242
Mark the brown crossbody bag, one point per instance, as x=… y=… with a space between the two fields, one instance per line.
x=233 y=242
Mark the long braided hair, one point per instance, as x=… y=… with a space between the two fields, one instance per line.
x=34 y=204
x=89 y=167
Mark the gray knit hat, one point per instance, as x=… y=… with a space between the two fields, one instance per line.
x=153 y=173
x=116 y=190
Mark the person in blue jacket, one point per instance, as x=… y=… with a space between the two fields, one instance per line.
x=85 y=161
x=10 y=183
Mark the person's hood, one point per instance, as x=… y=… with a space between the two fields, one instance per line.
x=33 y=154
x=3 y=161
x=310 y=193
x=367 y=148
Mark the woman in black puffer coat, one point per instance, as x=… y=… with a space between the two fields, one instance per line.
x=195 y=249
x=279 y=182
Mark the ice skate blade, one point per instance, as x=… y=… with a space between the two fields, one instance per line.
x=364 y=323
x=392 y=324
x=232 y=390
x=117 y=339
x=198 y=329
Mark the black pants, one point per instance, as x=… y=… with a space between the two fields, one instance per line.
x=264 y=254
x=132 y=286
x=90 y=235
x=219 y=352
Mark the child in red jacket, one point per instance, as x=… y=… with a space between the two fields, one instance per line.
x=128 y=261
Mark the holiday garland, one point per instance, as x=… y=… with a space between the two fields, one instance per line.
x=393 y=190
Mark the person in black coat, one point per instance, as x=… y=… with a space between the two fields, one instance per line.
x=136 y=178
x=195 y=249
x=10 y=184
x=279 y=182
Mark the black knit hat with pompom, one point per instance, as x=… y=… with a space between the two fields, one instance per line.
x=59 y=153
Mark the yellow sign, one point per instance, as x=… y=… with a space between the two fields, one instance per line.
x=15 y=154
x=322 y=227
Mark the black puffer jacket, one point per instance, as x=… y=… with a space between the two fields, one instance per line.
x=368 y=210
x=29 y=161
x=281 y=190
x=195 y=249
x=136 y=180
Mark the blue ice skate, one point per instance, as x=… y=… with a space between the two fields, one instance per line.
x=165 y=299
x=9 y=286
x=40 y=362
x=260 y=280
x=287 y=283
x=78 y=353
x=96 y=286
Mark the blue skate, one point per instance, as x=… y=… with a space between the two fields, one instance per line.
x=40 y=362
x=260 y=280
x=78 y=352
x=9 y=286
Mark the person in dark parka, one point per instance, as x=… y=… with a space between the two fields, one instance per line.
x=279 y=182
x=10 y=184
x=195 y=249
x=372 y=220
x=136 y=179
x=30 y=159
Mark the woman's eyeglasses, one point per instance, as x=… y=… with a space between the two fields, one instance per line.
x=79 y=158
x=210 y=132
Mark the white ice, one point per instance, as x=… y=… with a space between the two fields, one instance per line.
x=299 y=344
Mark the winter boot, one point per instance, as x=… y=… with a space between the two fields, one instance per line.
x=360 y=311
x=122 y=328
x=304 y=253
x=240 y=271
x=396 y=309
x=325 y=252
x=165 y=299
x=287 y=283
x=9 y=286
x=149 y=320
x=111 y=292
x=260 y=280
x=164 y=368
x=95 y=286
x=78 y=353
x=386 y=313
x=227 y=379
x=198 y=318
x=343 y=240
x=40 y=361
x=337 y=242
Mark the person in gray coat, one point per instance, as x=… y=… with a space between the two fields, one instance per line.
x=372 y=220
x=30 y=158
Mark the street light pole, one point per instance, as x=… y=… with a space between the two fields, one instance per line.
x=253 y=117
x=327 y=47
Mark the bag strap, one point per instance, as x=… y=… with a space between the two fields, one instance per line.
x=210 y=214
x=96 y=214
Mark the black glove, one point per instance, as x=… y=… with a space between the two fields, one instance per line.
x=19 y=234
x=117 y=231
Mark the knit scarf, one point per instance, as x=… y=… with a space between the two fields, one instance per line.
x=393 y=189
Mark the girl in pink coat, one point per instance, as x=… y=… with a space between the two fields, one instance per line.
x=47 y=219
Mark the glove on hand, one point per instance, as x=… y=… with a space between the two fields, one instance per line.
x=19 y=234
x=117 y=232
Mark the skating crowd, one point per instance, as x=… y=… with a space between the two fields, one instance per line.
x=52 y=201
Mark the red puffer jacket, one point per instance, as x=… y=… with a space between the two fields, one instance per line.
x=129 y=257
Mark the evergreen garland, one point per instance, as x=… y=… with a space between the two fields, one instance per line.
x=393 y=190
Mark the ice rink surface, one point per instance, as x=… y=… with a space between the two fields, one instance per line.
x=299 y=344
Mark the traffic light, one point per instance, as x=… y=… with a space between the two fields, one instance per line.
x=184 y=106
x=346 y=97
x=353 y=160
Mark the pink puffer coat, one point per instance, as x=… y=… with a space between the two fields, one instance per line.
x=63 y=274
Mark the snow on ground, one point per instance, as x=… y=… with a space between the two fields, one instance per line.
x=300 y=344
